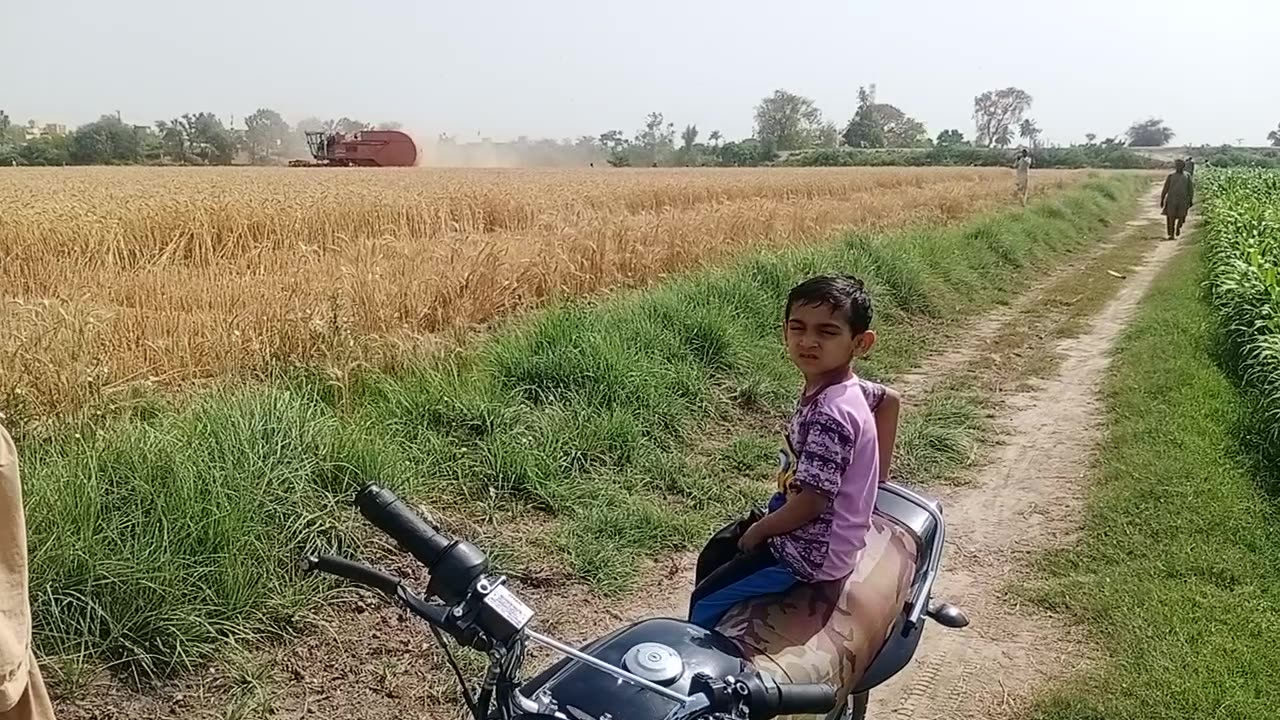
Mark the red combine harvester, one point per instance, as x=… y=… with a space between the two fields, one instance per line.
x=367 y=148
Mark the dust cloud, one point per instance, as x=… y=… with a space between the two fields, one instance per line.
x=442 y=151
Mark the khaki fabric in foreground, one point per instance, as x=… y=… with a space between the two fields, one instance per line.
x=22 y=691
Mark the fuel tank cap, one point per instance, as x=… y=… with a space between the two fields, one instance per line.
x=654 y=662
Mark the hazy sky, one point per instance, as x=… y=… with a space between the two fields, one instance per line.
x=564 y=68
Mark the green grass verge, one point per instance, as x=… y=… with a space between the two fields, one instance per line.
x=1178 y=573
x=578 y=435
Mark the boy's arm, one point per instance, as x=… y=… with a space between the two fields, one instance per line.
x=796 y=512
x=886 y=416
x=820 y=468
x=886 y=407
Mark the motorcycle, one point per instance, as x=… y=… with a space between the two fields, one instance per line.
x=660 y=668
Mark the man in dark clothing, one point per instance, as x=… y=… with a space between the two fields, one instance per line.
x=1191 y=167
x=1176 y=198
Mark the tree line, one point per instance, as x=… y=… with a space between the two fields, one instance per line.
x=190 y=139
x=784 y=122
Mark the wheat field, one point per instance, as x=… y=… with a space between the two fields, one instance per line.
x=117 y=277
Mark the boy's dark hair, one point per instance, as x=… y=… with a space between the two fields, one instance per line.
x=844 y=293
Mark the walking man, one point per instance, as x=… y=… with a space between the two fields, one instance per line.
x=1022 y=165
x=1176 y=198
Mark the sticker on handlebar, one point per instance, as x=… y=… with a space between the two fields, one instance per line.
x=510 y=607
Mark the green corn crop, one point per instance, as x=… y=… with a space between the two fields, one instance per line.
x=1242 y=223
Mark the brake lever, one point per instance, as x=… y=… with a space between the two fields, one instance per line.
x=446 y=618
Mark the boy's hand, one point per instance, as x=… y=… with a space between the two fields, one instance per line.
x=751 y=538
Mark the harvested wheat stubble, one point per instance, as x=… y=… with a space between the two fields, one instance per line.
x=114 y=276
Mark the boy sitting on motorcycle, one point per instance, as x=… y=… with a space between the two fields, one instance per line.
x=832 y=463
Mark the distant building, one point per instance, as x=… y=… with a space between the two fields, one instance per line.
x=35 y=129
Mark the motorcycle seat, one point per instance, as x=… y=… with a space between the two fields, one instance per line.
x=831 y=632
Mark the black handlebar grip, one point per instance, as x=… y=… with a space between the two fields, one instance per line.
x=454 y=565
x=392 y=516
x=353 y=571
x=805 y=699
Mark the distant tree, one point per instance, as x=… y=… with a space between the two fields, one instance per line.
x=48 y=150
x=715 y=137
x=747 y=153
x=951 y=138
x=1090 y=138
x=152 y=146
x=786 y=121
x=173 y=139
x=829 y=137
x=347 y=126
x=105 y=141
x=689 y=145
x=266 y=135
x=1030 y=132
x=616 y=145
x=11 y=134
x=613 y=140
x=1149 y=133
x=208 y=139
x=861 y=132
x=655 y=142
x=1274 y=136
x=390 y=125
x=877 y=124
x=996 y=112
x=688 y=137
x=343 y=125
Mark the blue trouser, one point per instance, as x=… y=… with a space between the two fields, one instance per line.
x=747 y=576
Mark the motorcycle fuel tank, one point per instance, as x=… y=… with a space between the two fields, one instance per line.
x=667 y=652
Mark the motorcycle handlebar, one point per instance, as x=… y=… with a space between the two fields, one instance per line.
x=761 y=697
x=767 y=698
x=389 y=514
x=353 y=571
x=454 y=564
x=805 y=699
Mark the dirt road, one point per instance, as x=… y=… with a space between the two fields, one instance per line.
x=1028 y=498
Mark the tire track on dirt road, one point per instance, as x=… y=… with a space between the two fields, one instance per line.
x=917 y=383
x=1028 y=498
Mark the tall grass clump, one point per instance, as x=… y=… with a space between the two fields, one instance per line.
x=576 y=442
x=1242 y=236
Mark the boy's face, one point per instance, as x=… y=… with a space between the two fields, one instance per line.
x=819 y=339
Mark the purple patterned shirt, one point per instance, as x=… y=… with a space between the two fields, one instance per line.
x=832 y=450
